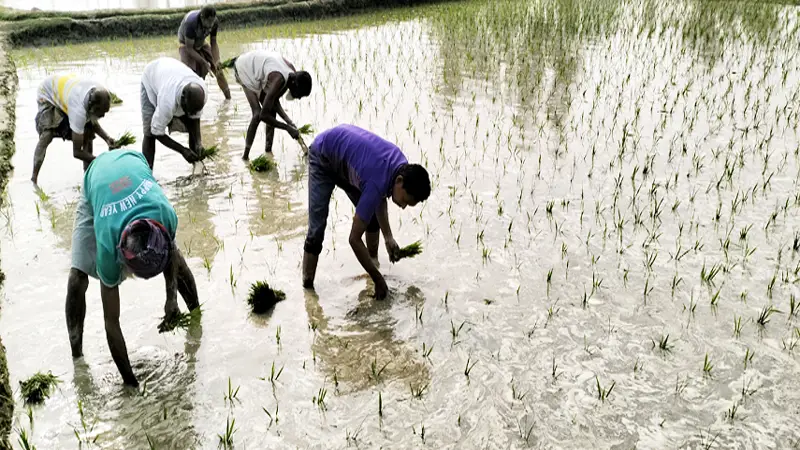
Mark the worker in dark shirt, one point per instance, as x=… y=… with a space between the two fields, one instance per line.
x=201 y=57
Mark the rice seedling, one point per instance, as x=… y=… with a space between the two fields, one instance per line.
x=375 y=371
x=24 y=440
x=737 y=326
x=380 y=404
x=306 y=129
x=232 y=395
x=228 y=63
x=115 y=100
x=273 y=417
x=455 y=331
x=663 y=343
x=766 y=312
x=84 y=437
x=209 y=152
x=730 y=414
x=707 y=366
x=183 y=320
x=418 y=391
x=262 y=164
x=410 y=251
x=426 y=351
x=125 y=140
x=273 y=375
x=226 y=438
x=262 y=298
x=468 y=368
x=319 y=399
x=604 y=393
x=748 y=357
x=36 y=389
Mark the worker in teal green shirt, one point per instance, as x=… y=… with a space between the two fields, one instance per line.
x=124 y=226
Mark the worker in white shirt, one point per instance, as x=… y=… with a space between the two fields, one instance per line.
x=172 y=97
x=70 y=108
x=265 y=78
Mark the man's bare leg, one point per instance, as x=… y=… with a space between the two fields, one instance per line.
x=309 y=269
x=76 y=309
x=222 y=82
x=149 y=150
x=41 y=150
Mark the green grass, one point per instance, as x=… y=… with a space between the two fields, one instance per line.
x=306 y=129
x=37 y=389
x=262 y=164
x=263 y=298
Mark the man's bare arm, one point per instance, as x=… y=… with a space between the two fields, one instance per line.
x=116 y=341
x=78 y=152
x=362 y=254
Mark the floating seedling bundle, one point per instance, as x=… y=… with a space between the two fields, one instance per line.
x=263 y=298
x=38 y=387
x=262 y=164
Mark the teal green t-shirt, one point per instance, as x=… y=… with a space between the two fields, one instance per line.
x=120 y=188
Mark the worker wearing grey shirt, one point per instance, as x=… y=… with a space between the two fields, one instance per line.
x=201 y=57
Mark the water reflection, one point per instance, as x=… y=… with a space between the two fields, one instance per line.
x=161 y=408
x=364 y=351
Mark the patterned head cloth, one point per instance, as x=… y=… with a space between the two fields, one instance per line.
x=151 y=260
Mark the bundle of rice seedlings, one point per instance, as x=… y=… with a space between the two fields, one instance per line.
x=262 y=164
x=227 y=64
x=305 y=129
x=410 y=251
x=114 y=99
x=38 y=387
x=302 y=144
x=125 y=140
x=263 y=298
x=181 y=320
x=209 y=152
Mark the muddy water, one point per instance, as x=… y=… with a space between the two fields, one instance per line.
x=586 y=171
x=91 y=5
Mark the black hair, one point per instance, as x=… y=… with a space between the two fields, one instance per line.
x=416 y=181
x=302 y=84
x=208 y=11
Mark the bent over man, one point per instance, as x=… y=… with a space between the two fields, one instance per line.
x=370 y=170
x=265 y=78
x=124 y=226
x=202 y=58
x=70 y=108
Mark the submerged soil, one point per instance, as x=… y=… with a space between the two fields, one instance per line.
x=606 y=174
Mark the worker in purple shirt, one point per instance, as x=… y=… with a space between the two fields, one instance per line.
x=201 y=57
x=370 y=170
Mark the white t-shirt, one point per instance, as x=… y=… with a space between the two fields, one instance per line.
x=163 y=81
x=70 y=94
x=254 y=67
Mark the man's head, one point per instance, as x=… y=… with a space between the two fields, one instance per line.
x=99 y=103
x=208 y=15
x=411 y=186
x=299 y=85
x=145 y=246
x=193 y=98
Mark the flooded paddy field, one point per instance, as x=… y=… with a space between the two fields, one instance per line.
x=611 y=248
x=92 y=5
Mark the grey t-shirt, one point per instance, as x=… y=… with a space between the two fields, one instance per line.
x=192 y=28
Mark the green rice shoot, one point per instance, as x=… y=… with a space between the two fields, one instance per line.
x=209 y=152
x=227 y=64
x=115 y=100
x=37 y=388
x=263 y=298
x=125 y=140
x=182 y=320
x=410 y=251
x=305 y=129
x=262 y=164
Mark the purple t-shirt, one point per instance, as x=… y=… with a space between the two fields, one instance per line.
x=363 y=159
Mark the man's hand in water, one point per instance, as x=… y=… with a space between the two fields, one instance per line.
x=381 y=289
x=190 y=156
